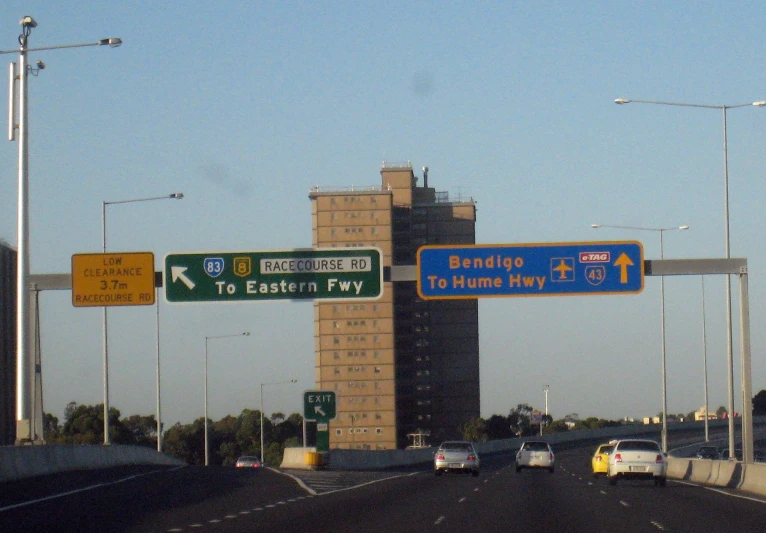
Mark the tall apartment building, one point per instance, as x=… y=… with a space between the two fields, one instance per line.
x=399 y=365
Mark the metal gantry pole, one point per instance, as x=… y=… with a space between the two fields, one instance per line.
x=262 y=439
x=729 y=333
x=105 y=335
x=159 y=405
x=664 y=359
x=23 y=359
x=704 y=361
x=205 y=419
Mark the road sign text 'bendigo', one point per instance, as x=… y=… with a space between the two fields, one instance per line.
x=559 y=269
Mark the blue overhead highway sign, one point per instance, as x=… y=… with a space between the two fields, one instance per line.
x=548 y=269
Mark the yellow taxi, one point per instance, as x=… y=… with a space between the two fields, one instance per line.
x=600 y=460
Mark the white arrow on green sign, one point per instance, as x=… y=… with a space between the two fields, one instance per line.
x=298 y=274
x=319 y=405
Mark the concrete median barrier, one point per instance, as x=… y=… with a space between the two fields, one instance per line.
x=18 y=462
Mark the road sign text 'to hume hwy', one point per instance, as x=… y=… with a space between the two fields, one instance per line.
x=506 y=270
x=299 y=274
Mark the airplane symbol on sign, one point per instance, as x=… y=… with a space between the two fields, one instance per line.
x=562 y=269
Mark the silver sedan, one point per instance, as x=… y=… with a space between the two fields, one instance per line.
x=456 y=456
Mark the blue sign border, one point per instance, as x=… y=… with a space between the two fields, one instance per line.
x=528 y=270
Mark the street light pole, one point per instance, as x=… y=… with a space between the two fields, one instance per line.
x=173 y=196
x=207 y=339
x=24 y=358
x=661 y=231
x=262 y=385
x=729 y=334
x=546 y=389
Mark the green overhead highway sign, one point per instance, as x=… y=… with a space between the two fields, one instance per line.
x=299 y=274
x=319 y=405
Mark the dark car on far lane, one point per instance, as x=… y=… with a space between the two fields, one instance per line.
x=708 y=452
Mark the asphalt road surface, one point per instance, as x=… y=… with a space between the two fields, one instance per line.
x=218 y=499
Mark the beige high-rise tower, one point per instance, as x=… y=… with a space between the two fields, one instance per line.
x=399 y=365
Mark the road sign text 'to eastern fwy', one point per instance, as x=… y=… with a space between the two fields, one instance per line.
x=299 y=274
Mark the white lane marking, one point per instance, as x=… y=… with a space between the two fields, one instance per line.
x=244 y=512
x=439 y=520
x=461 y=500
x=624 y=503
x=175 y=529
x=602 y=491
x=658 y=525
x=476 y=489
x=257 y=508
x=84 y=489
x=719 y=491
x=190 y=525
x=213 y=521
x=230 y=516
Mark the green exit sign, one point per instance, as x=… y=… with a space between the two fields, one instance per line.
x=299 y=274
x=319 y=405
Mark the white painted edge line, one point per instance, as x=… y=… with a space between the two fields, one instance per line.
x=84 y=489
x=719 y=491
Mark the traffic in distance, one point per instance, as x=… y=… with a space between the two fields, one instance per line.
x=228 y=499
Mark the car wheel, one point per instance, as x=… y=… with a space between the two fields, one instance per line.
x=550 y=470
x=437 y=472
x=662 y=481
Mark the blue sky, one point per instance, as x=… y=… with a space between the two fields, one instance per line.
x=244 y=106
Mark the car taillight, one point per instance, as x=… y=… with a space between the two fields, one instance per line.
x=551 y=456
x=598 y=459
x=472 y=457
x=440 y=456
x=617 y=458
x=660 y=458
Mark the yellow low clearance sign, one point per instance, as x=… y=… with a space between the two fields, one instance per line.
x=111 y=279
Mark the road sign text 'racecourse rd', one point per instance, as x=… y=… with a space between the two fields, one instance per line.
x=557 y=269
x=300 y=274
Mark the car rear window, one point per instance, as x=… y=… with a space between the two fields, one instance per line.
x=639 y=446
x=457 y=446
x=606 y=450
x=535 y=446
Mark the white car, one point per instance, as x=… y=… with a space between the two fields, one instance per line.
x=637 y=459
x=535 y=454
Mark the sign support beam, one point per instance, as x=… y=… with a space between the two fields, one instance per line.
x=664 y=267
